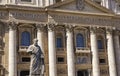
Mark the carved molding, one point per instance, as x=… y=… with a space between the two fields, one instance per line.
x=40 y=27
x=69 y=28
x=12 y=25
x=93 y=30
x=51 y=26
x=109 y=30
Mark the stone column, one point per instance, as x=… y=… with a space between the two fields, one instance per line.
x=94 y=49
x=70 y=51
x=111 y=55
x=117 y=50
x=12 y=50
x=52 y=50
x=40 y=32
x=47 y=3
x=39 y=3
x=106 y=3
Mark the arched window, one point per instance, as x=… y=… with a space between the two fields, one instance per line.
x=80 y=40
x=100 y=43
x=25 y=38
x=59 y=43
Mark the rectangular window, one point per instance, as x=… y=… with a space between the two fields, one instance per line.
x=59 y=43
x=26 y=0
x=100 y=44
x=24 y=73
x=60 y=59
x=25 y=59
x=102 y=61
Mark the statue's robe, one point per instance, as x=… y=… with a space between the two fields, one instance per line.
x=37 y=61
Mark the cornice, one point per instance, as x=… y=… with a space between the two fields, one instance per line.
x=23 y=8
x=79 y=13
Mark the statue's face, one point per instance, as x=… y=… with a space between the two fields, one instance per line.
x=35 y=42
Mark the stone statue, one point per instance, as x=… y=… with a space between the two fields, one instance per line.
x=37 y=59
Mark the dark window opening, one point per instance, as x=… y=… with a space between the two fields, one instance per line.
x=82 y=73
x=25 y=59
x=102 y=61
x=60 y=59
x=24 y=73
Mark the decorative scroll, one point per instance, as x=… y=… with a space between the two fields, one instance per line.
x=12 y=25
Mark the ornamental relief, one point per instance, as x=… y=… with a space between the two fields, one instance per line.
x=77 y=19
x=42 y=17
x=3 y=14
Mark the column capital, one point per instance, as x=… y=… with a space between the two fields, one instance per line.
x=93 y=29
x=109 y=30
x=51 y=26
x=69 y=28
x=40 y=27
x=116 y=32
x=12 y=25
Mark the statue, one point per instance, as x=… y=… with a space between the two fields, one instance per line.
x=37 y=59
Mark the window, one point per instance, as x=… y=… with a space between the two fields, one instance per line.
x=24 y=73
x=80 y=40
x=102 y=61
x=82 y=73
x=25 y=38
x=100 y=43
x=59 y=42
x=25 y=59
x=26 y=0
x=60 y=59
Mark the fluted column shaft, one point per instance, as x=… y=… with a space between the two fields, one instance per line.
x=111 y=54
x=95 y=56
x=70 y=52
x=12 y=50
x=52 y=51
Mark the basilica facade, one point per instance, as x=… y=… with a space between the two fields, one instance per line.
x=77 y=37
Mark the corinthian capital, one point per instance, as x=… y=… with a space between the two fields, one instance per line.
x=40 y=27
x=69 y=28
x=12 y=25
x=109 y=30
x=51 y=27
x=93 y=29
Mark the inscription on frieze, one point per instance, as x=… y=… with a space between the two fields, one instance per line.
x=29 y=16
x=3 y=15
x=84 y=20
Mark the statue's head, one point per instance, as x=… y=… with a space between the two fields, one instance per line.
x=35 y=41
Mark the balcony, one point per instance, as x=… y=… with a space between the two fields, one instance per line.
x=82 y=50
